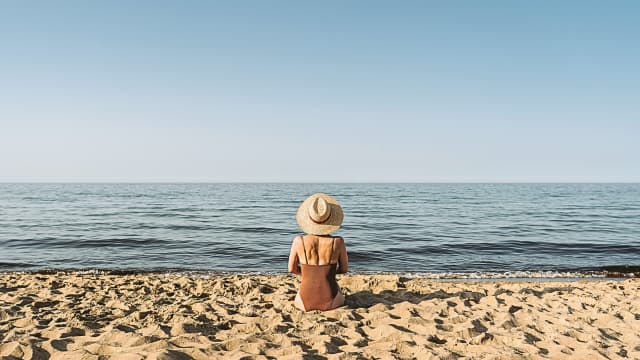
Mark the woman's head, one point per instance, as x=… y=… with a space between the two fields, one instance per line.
x=319 y=214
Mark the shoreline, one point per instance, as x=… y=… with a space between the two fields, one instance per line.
x=172 y=316
x=519 y=275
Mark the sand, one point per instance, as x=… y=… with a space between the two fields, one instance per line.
x=98 y=316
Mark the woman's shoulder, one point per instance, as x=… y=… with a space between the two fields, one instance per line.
x=297 y=240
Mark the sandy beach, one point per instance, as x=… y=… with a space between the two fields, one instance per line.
x=164 y=316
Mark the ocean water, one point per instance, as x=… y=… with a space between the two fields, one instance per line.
x=437 y=229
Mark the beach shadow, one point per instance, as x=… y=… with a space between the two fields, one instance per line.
x=366 y=298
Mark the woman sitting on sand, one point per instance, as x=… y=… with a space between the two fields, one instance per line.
x=319 y=255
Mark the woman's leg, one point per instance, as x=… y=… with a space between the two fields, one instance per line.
x=338 y=300
x=298 y=302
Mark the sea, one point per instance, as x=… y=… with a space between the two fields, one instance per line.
x=439 y=230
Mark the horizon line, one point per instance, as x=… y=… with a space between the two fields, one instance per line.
x=319 y=182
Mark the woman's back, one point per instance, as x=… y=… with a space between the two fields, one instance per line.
x=318 y=250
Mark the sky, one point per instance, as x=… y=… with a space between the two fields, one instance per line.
x=322 y=91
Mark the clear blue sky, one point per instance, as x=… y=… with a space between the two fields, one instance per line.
x=319 y=91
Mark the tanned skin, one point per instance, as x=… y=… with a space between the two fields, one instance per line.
x=318 y=252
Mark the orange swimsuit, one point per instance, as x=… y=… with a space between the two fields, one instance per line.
x=318 y=287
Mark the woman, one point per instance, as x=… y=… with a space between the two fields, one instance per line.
x=319 y=255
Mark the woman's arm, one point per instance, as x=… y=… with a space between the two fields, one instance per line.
x=343 y=260
x=293 y=256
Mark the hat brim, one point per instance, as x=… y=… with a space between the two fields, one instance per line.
x=328 y=226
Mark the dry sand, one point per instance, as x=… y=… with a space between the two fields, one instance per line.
x=93 y=316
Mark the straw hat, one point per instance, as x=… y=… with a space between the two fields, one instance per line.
x=319 y=214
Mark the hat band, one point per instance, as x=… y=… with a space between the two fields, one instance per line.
x=321 y=222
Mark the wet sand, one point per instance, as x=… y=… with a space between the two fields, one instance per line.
x=163 y=316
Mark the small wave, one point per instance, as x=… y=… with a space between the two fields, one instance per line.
x=259 y=229
x=520 y=246
x=14 y=265
x=567 y=247
x=367 y=256
x=189 y=227
x=50 y=242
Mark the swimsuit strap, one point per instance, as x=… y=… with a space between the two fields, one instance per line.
x=332 y=243
x=305 y=250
